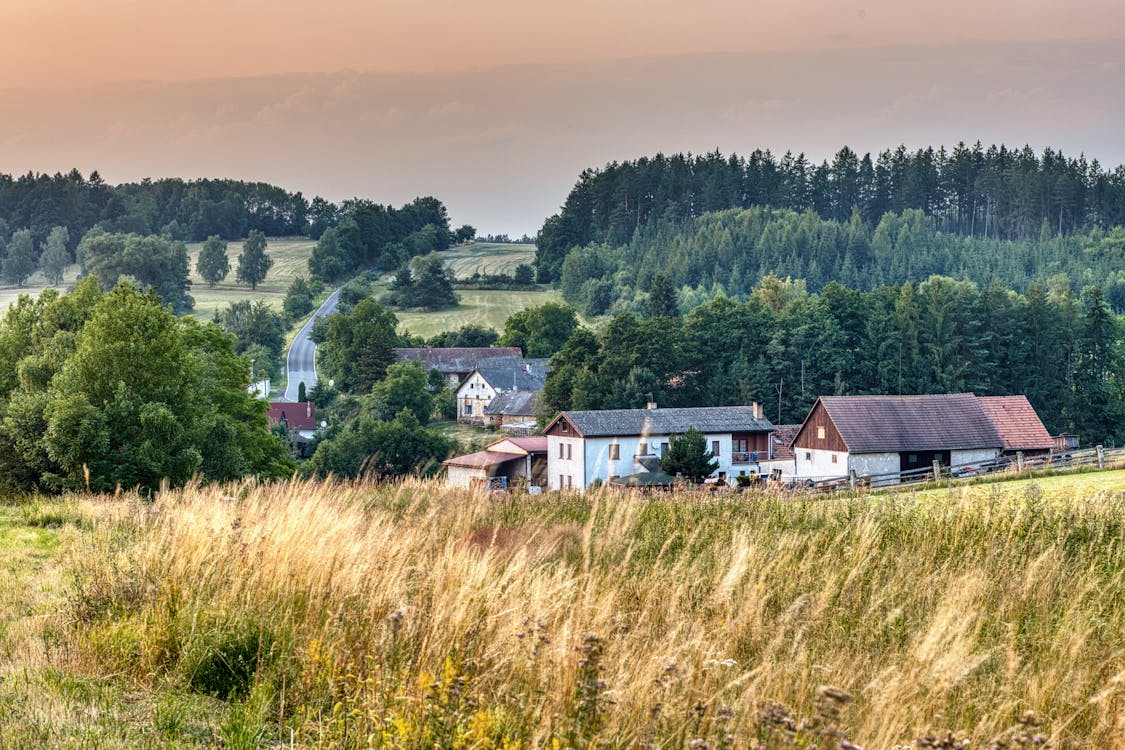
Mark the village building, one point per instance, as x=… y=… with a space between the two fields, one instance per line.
x=488 y=382
x=513 y=460
x=514 y=411
x=299 y=420
x=876 y=436
x=618 y=445
x=457 y=363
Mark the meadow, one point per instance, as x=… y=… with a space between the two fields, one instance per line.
x=290 y=260
x=408 y=615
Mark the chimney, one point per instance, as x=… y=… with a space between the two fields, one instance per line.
x=308 y=408
x=650 y=405
x=756 y=408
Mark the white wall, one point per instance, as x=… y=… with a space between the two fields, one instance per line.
x=479 y=393
x=979 y=455
x=816 y=463
x=560 y=471
x=462 y=476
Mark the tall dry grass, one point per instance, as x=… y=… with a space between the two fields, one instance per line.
x=416 y=616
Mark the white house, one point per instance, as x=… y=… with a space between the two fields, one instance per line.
x=485 y=383
x=500 y=464
x=607 y=445
x=874 y=435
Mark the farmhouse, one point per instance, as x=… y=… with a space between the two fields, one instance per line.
x=485 y=383
x=513 y=411
x=299 y=420
x=514 y=459
x=1018 y=425
x=457 y=363
x=874 y=435
x=615 y=444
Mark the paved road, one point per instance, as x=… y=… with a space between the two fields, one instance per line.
x=300 y=363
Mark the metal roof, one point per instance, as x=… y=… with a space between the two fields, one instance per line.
x=514 y=403
x=878 y=424
x=710 y=419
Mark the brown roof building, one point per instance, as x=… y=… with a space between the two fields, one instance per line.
x=1018 y=424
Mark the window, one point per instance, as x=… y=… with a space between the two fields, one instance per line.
x=468 y=407
x=562 y=478
x=833 y=458
x=642 y=448
x=614 y=452
x=565 y=426
x=562 y=451
x=568 y=451
x=569 y=481
x=912 y=458
x=820 y=433
x=808 y=456
x=714 y=447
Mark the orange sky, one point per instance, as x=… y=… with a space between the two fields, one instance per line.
x=495 y=106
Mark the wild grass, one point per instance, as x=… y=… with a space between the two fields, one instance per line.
x=411 y=615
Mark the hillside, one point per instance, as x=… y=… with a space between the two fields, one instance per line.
x=418 y=615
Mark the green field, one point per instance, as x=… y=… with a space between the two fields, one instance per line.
x=485 y=307
x=290 y=259
x=487 y=258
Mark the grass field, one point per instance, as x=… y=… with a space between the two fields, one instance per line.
x=487 y=258
x=290 y=259
x=485 y=307
x=412 y=616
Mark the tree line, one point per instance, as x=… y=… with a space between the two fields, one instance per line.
x=784 y=346
x=729 y=251
x=996 y=193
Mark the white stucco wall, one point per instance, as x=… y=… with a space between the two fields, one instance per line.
x=979 y=455
x=479 y=395
x=462 y=476
x=558 y=469
x=816 y=463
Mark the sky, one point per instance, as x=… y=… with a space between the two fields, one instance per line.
x=496 y=106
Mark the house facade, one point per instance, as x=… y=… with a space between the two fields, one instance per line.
x=484 y=384
x=501 y=464
x=867 y=436
x=609 y=445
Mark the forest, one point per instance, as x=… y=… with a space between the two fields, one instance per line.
x=784 y=346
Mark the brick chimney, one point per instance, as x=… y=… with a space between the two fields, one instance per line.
x=756 y=409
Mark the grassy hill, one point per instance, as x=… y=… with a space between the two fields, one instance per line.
x=325 y=615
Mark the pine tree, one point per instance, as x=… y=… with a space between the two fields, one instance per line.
x=688 y=456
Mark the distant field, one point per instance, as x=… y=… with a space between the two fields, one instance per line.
x=487 y=258
x=483 y=307
x=290 y=259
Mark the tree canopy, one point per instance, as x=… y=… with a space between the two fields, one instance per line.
x=689 y=457
x=254 y=262
x=155 y=262
x=213 y=265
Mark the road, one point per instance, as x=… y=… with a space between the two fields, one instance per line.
x=300 y=362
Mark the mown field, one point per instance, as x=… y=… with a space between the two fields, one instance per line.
x=487 y=258
x=290 y=259
x=407 y=615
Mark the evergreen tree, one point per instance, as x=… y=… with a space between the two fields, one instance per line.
x=689 y=457
x=254 y=263
x=213 y=265
x=662 y=298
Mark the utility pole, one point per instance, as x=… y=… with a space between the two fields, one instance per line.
x=780 y=385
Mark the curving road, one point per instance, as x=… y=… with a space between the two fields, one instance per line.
x=300 y=362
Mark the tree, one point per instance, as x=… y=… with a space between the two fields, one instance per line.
x=254 y=263
x=54 y=256
x=426 y=283
x=524 y=275
x=369 y=446
x=356 y=347
x=688 y=456
x=299 y=296
x=302 y=393
x=213 y=265
x=540 y=331
x=406 y=386
x=465 y=233
x=326 y=261
x=155 y=262
x=253 y=323
x=662 y=298
x=21 y=259
x=470 y=334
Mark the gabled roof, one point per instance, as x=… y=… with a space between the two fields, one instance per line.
x=877 y=424
x=497 y=453
x=514 y=403
x=299 y=415
x=629 y=422
x=518 y=377
x=481 y=459
x=1018 y=424
x=459 y=359
x=526 y=443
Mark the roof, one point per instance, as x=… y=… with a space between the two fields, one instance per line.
x=459 y=359
x=645 y=479
x=782 y=438
x=516 y=403
x=1016 y=421
x=523 y=376
x=710 y=419
x=528 y=443
x=299 y=415
x=877 y=424
x=481 y=459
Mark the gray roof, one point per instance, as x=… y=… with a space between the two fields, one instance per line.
x=609 y=422
x=514 y=403
x=877 y=424
x=460 y=359
x=524 y=376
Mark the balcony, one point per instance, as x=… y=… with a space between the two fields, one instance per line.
x=747 y=457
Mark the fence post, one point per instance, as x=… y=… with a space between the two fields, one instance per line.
x=937 y=471
x=1101 y=457
x=1019 y=461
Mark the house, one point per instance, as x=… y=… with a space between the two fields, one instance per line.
x=614 y=444
x=298 y=417
x=874 y=435
x=487 y=382
x=1018 y=425
x=457 y=363
x=514 y=411
x=781 y=464
x=507 y=461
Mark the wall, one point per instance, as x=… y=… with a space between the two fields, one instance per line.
x=872 y=464
x=479 y=394
x=572 y=467
x=979 y=455
x=462 y=476
x=819 y=464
